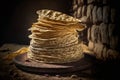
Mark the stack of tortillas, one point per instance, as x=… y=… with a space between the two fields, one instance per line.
x=54 y=38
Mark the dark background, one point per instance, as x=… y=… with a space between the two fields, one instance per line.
x=18 y=15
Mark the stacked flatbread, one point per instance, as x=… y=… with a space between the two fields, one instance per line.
x=54 y=38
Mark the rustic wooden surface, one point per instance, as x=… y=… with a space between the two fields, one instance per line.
x=8 y=71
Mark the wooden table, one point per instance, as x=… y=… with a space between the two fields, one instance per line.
x=8 y=71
